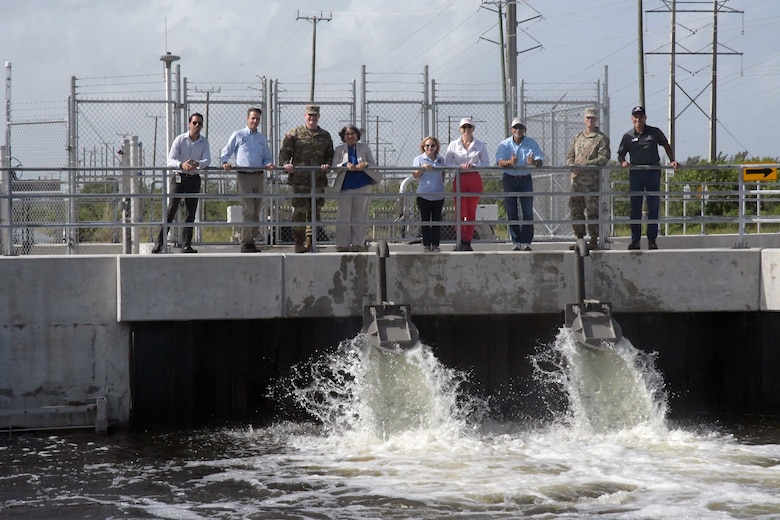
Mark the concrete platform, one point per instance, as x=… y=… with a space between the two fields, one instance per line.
x=66 y=322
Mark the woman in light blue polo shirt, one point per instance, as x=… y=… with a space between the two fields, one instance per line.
x=430 y=191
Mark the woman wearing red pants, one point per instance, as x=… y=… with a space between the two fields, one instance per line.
x=467 y=155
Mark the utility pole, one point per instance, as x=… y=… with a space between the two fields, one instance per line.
x=314 y=20
x=689 y=6
x=641 y=49
x=672 y=121
x=714 y=83
x=154 y=141
x=208 y=91
x=509 y=79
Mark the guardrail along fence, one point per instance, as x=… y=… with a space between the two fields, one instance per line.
x=118 y=210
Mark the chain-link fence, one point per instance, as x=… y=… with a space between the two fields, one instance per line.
x=395 y=112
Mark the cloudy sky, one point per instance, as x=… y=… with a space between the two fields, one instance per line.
x=48 y=41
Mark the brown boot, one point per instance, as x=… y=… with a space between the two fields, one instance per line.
x=299 y=247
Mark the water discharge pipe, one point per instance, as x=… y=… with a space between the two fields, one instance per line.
x=388 y=325
x=590 y=320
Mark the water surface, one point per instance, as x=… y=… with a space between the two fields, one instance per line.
x=397 y=438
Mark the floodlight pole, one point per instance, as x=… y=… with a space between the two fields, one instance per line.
x=167 y=59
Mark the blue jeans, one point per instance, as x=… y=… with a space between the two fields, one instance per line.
x=520 y=234
x=645 y=180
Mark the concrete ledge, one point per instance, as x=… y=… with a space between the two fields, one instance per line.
x=770 y=280
x=199 y=287
x=99 y=290
x=267 y=286
x=66 y=290
x=57 y=417
x=681 y=280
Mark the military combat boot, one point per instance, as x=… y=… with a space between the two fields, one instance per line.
x=299 y=246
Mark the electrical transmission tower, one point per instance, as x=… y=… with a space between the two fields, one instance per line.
x=674 y=7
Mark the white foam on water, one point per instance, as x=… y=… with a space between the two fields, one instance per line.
x=610 y=453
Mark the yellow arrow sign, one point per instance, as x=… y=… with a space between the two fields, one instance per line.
x=758 y=172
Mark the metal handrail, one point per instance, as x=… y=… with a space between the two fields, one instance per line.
x=672 y=192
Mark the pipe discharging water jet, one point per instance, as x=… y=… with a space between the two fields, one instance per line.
x=590 y=320
x=388 y=325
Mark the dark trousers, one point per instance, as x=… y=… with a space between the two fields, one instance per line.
x=520 y=234
x=645 y=180
x=430 y=211
x=188 y=184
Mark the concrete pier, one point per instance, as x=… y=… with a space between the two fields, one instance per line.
x=183 y=338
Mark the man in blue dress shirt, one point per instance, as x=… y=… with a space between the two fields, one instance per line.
x=253 y=156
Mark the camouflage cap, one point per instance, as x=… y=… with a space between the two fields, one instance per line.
x=591 y=112
x=312 y=109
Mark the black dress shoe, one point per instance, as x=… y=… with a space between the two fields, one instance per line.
x=188 y=249
x=249 y=248
x=156 y=249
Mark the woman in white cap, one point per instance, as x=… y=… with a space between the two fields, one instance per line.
x=467 y=154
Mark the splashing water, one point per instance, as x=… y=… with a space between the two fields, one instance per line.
x=366 y=390
x=608 y=389
x=395 y=443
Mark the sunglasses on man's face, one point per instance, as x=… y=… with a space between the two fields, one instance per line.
x=518 y=127
x=197 y=123
x=467 y=127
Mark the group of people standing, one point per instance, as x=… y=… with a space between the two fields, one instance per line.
x=310 y=147
x=466 y=155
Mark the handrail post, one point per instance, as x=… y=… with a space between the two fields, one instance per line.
x=742 y=212
x=313 y=194
x=6 y=205
x=164 y=224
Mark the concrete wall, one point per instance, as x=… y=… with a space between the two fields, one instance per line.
x=66 y=321
x=186 y=287
x=59 y=332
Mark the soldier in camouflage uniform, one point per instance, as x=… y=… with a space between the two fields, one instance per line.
x=306 y=145
x=590 y=147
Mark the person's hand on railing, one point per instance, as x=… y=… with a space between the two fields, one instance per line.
x=362 y=165
x=189 y=165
